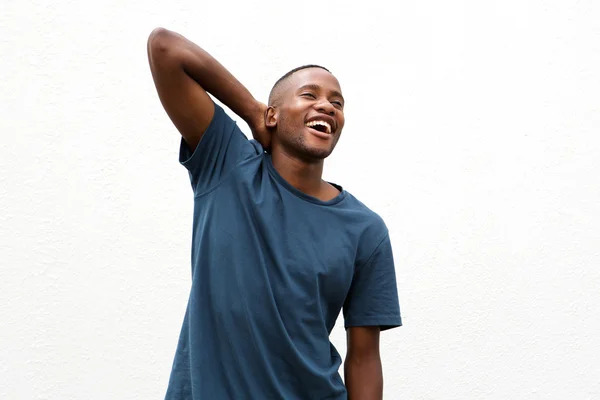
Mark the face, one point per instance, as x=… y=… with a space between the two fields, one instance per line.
x=309 y=117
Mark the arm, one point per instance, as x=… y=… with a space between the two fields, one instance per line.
x=363 y=374
x=183 y=74
x=371 y=306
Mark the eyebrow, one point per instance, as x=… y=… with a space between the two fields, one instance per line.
x=317 y=87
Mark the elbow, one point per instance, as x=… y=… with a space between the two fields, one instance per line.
x=160 y=41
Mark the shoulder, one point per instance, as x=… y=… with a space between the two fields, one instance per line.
x=371 y=220
x=225 y=127
x=369 y=226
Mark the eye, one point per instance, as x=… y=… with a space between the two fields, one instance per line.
x=337 y=104
x=309 y=95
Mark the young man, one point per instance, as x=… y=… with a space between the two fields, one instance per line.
x=277 y=252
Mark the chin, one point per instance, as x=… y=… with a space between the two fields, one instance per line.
x=309 y=150
x=316 y=153
x=318 y=149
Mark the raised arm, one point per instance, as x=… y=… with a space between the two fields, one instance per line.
x=363 y=373
x=183 y=74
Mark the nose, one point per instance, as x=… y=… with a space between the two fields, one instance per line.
x=325 y=107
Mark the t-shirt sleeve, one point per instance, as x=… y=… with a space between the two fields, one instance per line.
x=373 y=296
x=222 y=147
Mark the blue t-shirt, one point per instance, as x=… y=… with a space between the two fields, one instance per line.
x=271 y=270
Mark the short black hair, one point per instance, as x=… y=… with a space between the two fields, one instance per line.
x=290 y=73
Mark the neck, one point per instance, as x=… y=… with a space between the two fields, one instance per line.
x=304 y=176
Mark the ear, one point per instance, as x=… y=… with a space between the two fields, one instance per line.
x=271 y=117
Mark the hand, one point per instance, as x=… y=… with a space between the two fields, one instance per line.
x=260 y=132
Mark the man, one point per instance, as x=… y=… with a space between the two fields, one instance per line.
x=277 y=252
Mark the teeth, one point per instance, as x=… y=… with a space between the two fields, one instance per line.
x=322 y=123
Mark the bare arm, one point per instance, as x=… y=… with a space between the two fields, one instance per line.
x=362 y=368
x=183 y=74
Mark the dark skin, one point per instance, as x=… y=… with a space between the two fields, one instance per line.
x=297 y=152
x=184 y=74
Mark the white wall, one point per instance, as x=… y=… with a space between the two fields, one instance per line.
x=472 y=127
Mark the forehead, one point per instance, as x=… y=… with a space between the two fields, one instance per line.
x=314 y=76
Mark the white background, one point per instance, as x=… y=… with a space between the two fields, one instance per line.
x=472 y=129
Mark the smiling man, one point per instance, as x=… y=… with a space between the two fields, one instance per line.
x=277 y=252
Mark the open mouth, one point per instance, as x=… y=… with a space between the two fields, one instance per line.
x=320 y=126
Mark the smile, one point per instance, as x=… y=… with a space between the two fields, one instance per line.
x=320 y=126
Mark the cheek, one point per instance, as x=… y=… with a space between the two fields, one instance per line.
x=287 y=129
x=286 y=123
x=291 y=118
x=341 y=123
